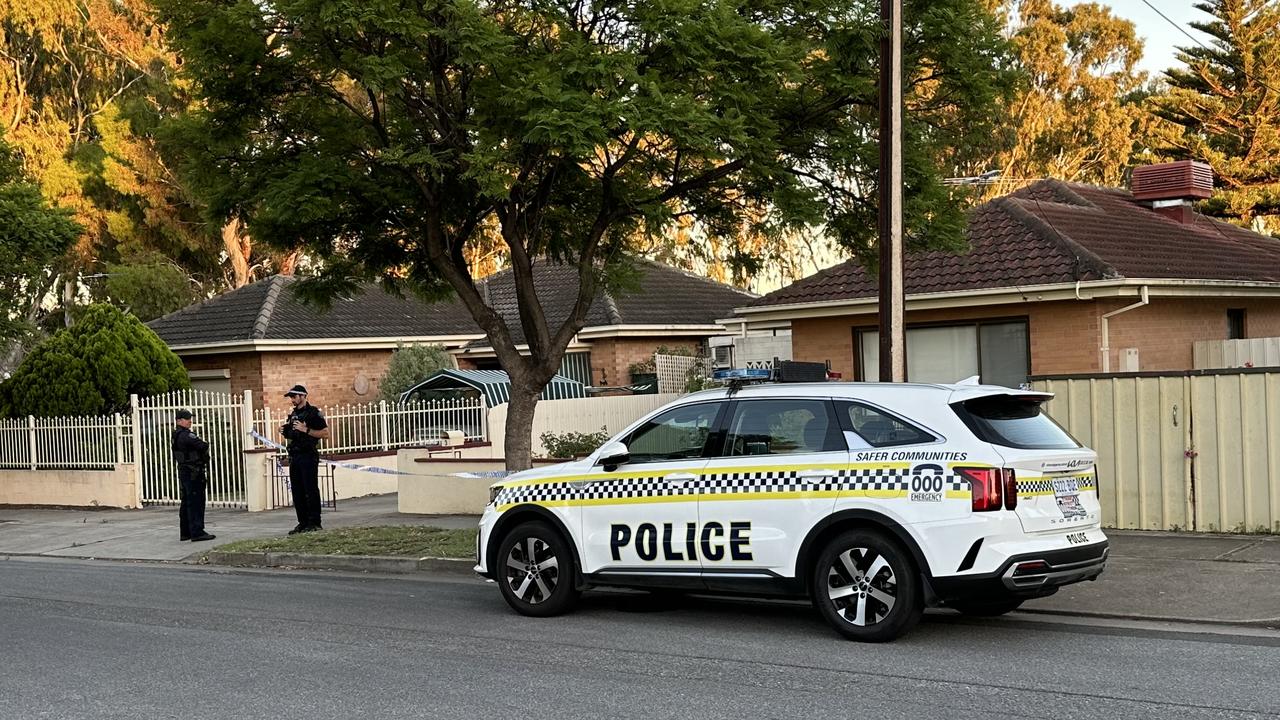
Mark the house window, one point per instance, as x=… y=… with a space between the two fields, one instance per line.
x=998 y=352
x=1235 y=324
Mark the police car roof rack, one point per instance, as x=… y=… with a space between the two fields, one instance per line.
x=781 y=371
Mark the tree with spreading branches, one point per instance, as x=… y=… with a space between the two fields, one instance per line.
x=390 y=137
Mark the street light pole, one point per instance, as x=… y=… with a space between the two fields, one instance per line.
x=893 y=358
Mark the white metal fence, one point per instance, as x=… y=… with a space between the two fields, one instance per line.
x=383 y=425
x=60 y=443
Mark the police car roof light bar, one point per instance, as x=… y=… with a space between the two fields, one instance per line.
x=736 y=378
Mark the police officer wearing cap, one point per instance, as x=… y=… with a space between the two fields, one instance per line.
x=192 y=455
x=304 y=429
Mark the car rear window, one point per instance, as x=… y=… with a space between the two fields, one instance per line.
x=1012 y=421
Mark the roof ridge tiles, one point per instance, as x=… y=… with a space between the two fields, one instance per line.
x=268 y=308
x=611 y=308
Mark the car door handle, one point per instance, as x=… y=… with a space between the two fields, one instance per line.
x=815 y=475
x=680 y=478
x=583 y=483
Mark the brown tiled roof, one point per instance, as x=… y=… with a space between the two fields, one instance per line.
x=1055 y=232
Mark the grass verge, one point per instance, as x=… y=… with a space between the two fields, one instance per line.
x=393 y=541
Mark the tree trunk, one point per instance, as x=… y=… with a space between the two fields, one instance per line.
x=238 y=249
x=69 y=284
x=518 y=440
x=288 y=263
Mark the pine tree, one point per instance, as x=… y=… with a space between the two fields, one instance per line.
x=1224 y=109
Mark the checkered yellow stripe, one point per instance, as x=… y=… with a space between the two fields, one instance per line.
x=1035 y=487
x=722 y=484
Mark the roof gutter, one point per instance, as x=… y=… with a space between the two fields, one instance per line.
x=1075 y=290
x=358 y=343
x=1106 y=329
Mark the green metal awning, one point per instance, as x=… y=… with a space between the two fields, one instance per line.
x=494 y=384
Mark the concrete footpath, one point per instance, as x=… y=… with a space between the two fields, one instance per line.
x=1151 y=575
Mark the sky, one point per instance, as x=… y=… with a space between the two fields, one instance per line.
x=1161 y=38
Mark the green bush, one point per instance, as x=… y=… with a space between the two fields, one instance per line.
x=91 y=368
x=570 y=445
x=410 y=365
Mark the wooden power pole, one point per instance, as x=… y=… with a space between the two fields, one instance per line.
x=893 y=348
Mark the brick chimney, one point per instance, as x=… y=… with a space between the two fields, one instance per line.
x=1169 y=188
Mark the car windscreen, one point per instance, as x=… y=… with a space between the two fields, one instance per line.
x=1014 y=421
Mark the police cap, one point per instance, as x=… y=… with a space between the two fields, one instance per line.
x=182 y=415
x=296 y=390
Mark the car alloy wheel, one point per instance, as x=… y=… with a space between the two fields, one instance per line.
x=532 y=570
x=536 y=570
x=867 y=586
x=862 y=586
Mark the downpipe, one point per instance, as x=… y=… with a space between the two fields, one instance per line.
x=1106 y=328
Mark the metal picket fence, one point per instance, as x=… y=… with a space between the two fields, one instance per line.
x=383 y=425
x=66 y=443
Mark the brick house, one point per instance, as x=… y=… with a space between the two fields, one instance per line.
x=262 y=338
x=1060 y=278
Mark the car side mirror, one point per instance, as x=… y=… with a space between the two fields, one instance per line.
x=612 y=455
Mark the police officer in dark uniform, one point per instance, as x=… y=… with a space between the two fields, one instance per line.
x=304 y=429
x=192 y=455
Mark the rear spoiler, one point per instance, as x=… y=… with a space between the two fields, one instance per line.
x=985 y=391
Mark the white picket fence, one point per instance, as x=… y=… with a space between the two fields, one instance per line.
x=383 y=426
x=66 y=443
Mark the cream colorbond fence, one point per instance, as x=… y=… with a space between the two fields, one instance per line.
x=1196 y=451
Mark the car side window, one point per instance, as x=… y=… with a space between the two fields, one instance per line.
x=880 y=429
x=783 y=427
x=676 y=434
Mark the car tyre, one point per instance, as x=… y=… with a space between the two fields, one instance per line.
x=867 y=587
x=536 y=570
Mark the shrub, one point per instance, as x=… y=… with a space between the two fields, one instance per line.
x=570 y=445
x=92 y=368
x=410 y=365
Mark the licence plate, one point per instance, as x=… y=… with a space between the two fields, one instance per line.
x=1071 y=507
x=1066 y=486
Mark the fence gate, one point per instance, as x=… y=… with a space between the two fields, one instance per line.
x=219 y=419
x=282 y=492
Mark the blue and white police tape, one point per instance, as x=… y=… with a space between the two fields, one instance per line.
x=358 y=467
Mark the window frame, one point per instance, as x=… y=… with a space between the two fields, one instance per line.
x=716 y=430
x=833 y=419
x=1240 y=317
x=846 y=424
x=860 y=372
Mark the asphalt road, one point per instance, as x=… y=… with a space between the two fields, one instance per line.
x=84 y=639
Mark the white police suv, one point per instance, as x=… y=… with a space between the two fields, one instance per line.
x=874 y=500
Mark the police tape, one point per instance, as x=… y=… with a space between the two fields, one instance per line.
x=357 y=467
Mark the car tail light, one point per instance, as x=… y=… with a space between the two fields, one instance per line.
x=985 y=484
x=1010 y=489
